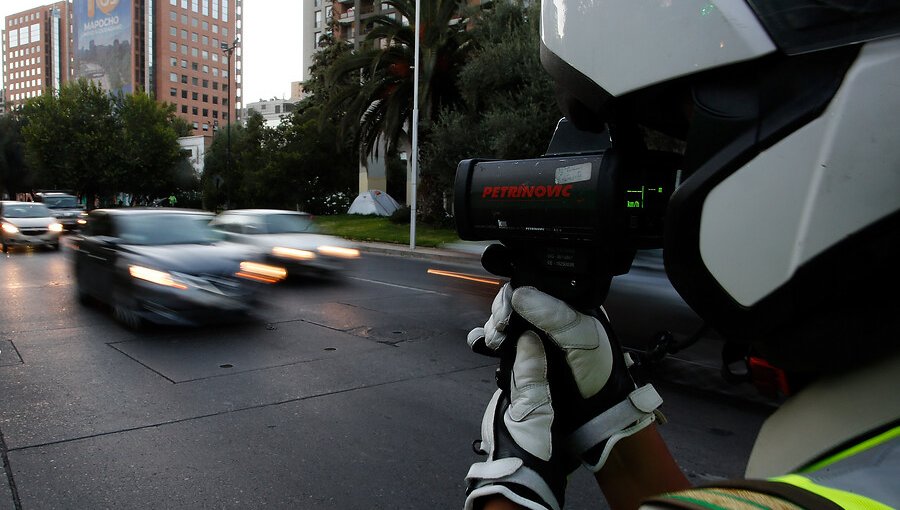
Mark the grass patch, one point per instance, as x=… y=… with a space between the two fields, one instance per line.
x=380 y=229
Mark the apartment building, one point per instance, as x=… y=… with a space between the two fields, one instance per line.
x=296 y=90
x=37 y=52
x=184 y=52
x=346 y=19
x=272 y=110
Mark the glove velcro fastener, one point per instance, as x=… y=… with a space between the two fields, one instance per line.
x=600 y=434
x=511 y=471
x=511 y=479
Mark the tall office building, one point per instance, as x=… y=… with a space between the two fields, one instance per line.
x=180 y=51
x=37 y=52
x=190 y=67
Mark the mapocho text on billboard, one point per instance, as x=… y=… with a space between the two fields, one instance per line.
x=103 y=51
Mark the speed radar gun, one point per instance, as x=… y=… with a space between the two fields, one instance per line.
x=569 y=221
x=565 y=224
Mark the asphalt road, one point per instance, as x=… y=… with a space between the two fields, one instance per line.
x=351 y=393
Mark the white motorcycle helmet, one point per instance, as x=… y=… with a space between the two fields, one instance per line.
x=784 y=233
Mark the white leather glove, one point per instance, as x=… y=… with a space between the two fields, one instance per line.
x=516 y=434
x=568 y=396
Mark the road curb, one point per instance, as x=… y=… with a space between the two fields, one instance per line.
x=436 y=254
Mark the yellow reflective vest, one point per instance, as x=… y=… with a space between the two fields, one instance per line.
x=863 y=476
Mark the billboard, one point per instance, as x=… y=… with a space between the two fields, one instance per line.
x=103 y=39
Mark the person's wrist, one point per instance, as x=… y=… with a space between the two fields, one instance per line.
x=495 y=503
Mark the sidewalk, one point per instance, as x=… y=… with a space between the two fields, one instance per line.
x=462 y=252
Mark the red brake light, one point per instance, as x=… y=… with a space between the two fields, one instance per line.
x=770 y=380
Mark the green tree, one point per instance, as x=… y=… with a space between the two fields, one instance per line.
x=222 y=178
x=152 y=157
x=181 y=126
x=504 y=83
x=319 y=91
x=378 y=104
x=87 y=140
x=301 y=163
x=233 y=182
x=509 y=108
x=316 y=174
x=296 y=165
x=213 y=185
x=73 y=140
x=253 y=161
x=14 y=174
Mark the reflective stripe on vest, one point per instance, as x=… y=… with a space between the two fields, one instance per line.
x=844 y=499
x=863 y=477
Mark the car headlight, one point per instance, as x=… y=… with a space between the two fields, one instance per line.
x=9 y=228
x=261 y=272
x=293 y=253
x=82 y=221
x=55 y=227
x=153 y=276
x=338 y=251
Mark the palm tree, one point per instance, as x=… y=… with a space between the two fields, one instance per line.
x=374 y=85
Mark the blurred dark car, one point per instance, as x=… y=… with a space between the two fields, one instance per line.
x=28 y=224
x=290 y=239
x=166 y=266
x=65 y=207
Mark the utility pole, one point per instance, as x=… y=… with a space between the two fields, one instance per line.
x=415 y=132
x=229 y=50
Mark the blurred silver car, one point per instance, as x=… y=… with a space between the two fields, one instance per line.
x=290 y=238
x=65 y=208
x=28 y=224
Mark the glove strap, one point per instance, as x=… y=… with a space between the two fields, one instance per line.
x=502 y=477
x=510 y=471
x=620 y=421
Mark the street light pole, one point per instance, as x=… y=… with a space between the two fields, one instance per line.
x=415 y=132
x=228 y=50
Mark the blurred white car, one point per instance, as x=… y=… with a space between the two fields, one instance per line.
x=290 y=238
x=28 y=224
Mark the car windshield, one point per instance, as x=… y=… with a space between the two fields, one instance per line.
x=289 y=224
x=61 y=202
x=26 y=211
x=156 y=229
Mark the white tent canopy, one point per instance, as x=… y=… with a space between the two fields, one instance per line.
x=373 y=202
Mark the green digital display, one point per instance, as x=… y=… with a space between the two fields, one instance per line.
x=636 y=198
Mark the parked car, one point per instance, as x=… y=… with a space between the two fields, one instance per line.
x=28 y=224
x=289 y=238
x=166 y=266
x=65 y=207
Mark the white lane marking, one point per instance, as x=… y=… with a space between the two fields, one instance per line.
x=399 y=286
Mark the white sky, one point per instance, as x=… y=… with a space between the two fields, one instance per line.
x=270 y=46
